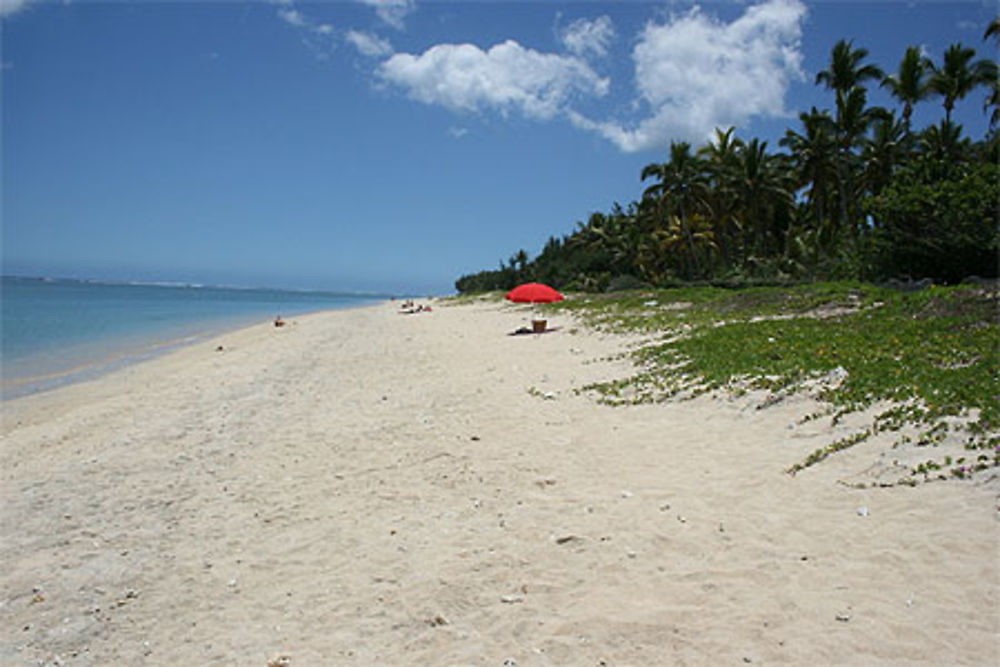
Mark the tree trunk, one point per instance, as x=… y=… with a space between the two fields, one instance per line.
x=690 y=239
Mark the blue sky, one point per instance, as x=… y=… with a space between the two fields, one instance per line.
x=389 y=145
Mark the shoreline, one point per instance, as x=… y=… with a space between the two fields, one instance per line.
x=364 y=488
x=93 y=359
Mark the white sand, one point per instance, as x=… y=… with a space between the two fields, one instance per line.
x=365 y=488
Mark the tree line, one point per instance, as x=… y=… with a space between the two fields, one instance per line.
x=853 y=193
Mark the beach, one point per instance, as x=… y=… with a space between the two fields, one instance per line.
x=362 y=487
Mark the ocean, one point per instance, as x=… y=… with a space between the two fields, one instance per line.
x=57 y=331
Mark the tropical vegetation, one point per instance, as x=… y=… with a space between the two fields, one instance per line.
x=923 y=363
x=854 y=192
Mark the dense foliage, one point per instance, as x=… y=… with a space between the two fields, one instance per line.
x=855 y=194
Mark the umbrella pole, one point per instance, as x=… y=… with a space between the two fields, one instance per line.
x=535 y=293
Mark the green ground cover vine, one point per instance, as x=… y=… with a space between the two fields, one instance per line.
x=933 y=354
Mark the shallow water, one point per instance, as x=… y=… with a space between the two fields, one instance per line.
x=58 y=331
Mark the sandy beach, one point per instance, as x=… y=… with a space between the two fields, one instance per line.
x=367 y=488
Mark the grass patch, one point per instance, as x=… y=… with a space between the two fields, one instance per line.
x=475 y=297
x=933 y=353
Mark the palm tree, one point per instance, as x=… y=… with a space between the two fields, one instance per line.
x=945 y=143
x=993 y=30
x=722 y=153
x=520 y=259
x=959 y=75
x=883 y=152
x=721 y=161
x=846 y=70
x=680 y=187
x=853 y=121
x=908 y=85
x=846 y=76
x=813 y=156
x=763 y=192
x=516 y=267
x=854 y=117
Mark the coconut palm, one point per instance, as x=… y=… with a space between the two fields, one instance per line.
x=676 y=179
x=854 y=117
x=853 y=120
x=909 y=84
x=883 y=152
x=959 y=75
x=994 y=101
x=763 y=191
x=667 y=250
x=813 y=156
x=993 y=30
x=680 y=188
x=723 y=152
x=846 y=76
x=721 y=161
x=846 y=69
x=945 y=143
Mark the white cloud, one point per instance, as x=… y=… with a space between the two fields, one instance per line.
x=695 y=73
x=8 y=7
x=368 y=44
x=292 y=17
x=392 y=11
x=463 y=77
x=316 y=36
x=584 y=37
x=458 y=132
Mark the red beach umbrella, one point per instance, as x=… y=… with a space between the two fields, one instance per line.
x=534 y=293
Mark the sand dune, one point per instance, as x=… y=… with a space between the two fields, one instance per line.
x=365 y=488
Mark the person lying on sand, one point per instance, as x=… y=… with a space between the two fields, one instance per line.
x=419 y=309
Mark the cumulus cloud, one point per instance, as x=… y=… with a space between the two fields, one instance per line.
x=695 y=73
x=392 y=11
x=586 y=38
x=368 y=44
x=508 y=76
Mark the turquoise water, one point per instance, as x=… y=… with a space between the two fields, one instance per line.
x=58 y=331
